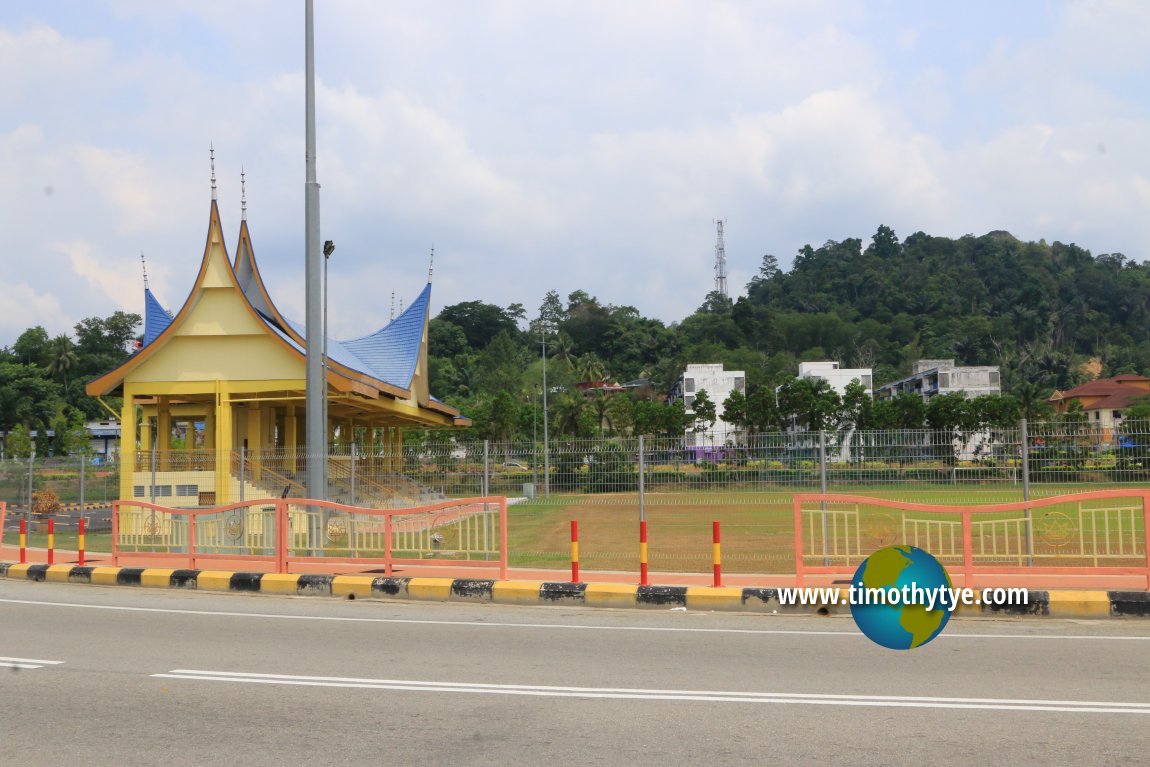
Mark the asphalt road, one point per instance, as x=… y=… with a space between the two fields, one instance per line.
x=120 y=676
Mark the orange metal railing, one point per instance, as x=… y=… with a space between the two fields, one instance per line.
x=1103 y=532
x=277 y=532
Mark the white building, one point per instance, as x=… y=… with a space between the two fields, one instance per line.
x=929 y=378
x=837 y=377
x=718 y=384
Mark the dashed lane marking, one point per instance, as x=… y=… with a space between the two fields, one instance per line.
x=27 y=663
x=704 y=696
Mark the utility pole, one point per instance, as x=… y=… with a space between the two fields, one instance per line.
x=316 y=429
x=546 y=441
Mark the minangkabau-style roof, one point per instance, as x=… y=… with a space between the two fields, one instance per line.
x=390 y=362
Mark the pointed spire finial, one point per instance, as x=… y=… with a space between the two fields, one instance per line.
x=144 y=266
x=393 y=305
x=243 y=196
x=212 y=155
x=431 y=265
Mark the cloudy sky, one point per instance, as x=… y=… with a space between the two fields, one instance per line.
x=551 y=145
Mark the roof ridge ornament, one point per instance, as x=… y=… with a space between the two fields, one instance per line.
x=144 y=266
x=212 y=155
x=431 y=264
x=243 y=196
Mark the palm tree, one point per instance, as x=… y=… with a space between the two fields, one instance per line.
x=568 y=410
x=590 y=368
x=61 y=357
x=563 y=349
x=600 y=405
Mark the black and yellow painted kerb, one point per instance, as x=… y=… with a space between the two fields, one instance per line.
x=1054 y=604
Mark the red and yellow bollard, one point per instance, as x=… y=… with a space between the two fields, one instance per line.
x=717 y=558
x=80 y=542
x=51 y=541
x=23 y=542
x=574 y=551
x=643 y=553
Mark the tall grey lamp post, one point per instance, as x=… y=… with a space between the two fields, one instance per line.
x=316 y=332
x=546 y=443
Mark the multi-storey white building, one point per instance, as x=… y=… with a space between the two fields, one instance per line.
x=929 y=378
x=718 y=384
x=837 y=377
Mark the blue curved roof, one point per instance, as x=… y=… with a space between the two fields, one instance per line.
x=156 y=318
x=392 y=352
x=389 y=355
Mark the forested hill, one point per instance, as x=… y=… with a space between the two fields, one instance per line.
x=1051 y=316
x=1038 y=310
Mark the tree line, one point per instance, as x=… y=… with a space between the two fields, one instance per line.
x=1050 y=316
x=42 y=381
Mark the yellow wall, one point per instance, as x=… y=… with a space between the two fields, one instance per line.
x=227 y=358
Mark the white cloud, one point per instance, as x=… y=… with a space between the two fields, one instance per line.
x=121 y=289
x=32 y=307
x=567 y=145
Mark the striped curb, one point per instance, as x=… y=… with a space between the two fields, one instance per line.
x=1042 y=603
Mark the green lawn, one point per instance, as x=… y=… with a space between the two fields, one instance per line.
x=65 y=540
x=757 y=526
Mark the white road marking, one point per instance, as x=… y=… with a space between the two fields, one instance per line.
x=554 y=626
x=27 y=663
x=706 y=696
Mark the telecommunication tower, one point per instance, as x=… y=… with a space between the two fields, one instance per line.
x=720 y=262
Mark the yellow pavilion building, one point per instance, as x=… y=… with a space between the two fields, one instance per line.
x=213 y=401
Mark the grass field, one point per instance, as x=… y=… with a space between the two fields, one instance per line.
x=757 y=527
x=65 y=540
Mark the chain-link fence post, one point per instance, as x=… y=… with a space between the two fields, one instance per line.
x=823 y=485
x=83 y=470
x=1024 y=437
x=486 y=492
x=642 y=483
x=352 y=489
x=31 y=471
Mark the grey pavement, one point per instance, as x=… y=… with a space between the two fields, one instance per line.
x=187 y=678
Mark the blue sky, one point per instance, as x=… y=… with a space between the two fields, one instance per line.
x=561 y=145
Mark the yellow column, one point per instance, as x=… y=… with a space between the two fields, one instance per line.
x=223 y=419
x=347 y=437
x=127 y=442
x=255 y=439
x=398 y=449
x=385 y=444
x=397 y=457
x=291 y=437
x=392 y=442
x=145 y=430
x=163 y=433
